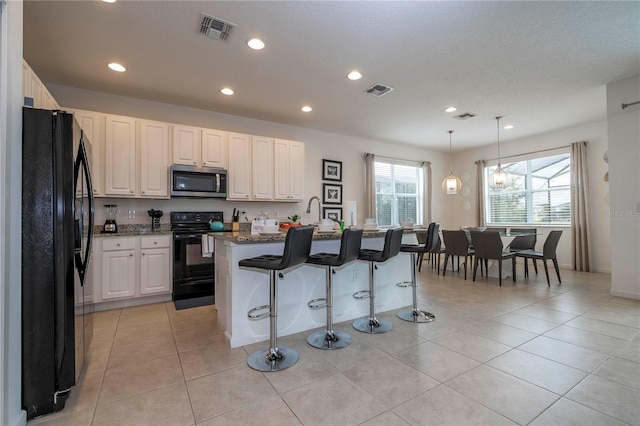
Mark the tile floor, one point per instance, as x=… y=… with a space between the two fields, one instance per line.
x=522 y=354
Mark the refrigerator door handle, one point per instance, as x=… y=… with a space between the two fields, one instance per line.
x=82 y=166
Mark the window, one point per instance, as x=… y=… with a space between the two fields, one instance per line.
x=538 y=193
x=399 y=193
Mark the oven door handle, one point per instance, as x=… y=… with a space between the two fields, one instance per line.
x=186 y=236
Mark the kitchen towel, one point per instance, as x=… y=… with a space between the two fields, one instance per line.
x=207 y=245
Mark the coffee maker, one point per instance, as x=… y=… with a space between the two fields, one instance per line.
x=155 y=219
x=110 y=225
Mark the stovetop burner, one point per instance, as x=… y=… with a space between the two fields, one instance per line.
x=194 y=221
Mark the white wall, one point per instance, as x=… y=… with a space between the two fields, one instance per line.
x=596 y=135
x=318 y=145
x=10 y=211
x=624 y=165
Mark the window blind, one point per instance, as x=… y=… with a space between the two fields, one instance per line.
x=399 y=193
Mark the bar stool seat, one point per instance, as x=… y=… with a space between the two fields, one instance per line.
x=349 y=250
x=392 y=243
x=415 y=314
x=297 y=246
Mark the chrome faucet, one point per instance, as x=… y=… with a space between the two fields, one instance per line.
x=315 y=197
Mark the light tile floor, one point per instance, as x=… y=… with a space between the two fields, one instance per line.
x=522 y=353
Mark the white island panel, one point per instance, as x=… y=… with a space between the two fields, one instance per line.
x=238 y=290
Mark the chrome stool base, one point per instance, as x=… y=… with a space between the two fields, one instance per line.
x=416 y=315
x=327 y=340
x=268 y=359
x=373 y=326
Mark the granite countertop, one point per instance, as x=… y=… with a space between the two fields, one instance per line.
x=132 y=231
x=245 y=237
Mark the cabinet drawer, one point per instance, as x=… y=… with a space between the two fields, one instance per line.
x=155 y=242
x=111 y=244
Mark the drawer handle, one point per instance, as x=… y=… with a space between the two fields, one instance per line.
x=130 y=254
x=118 y=244
x=155 y=242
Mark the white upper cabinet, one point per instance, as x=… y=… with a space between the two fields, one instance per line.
x=120 y=156
x=288 y=170
x=239 y=176
x=33 y=88
x=262 y=160
x=92 y=125
x=154 y=159
x=214 y=148
x=186 y=145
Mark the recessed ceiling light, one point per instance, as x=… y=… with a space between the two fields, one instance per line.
x=117 y=67
x=451 y=109
x=354 y=75
x=109 y=1
x=306 y=108
x=227 y=91
x=256 y=44
x=509 y=126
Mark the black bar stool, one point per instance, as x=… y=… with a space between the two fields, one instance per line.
x=392 y=243
x=415 y=314
x=297 y=246
x=349 y=251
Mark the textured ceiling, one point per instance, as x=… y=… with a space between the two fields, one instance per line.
x=542 y=65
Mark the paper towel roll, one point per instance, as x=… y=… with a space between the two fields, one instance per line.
x=350 y=214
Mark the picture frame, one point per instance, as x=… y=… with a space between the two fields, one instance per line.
x=332 y=170
x=332 y=193
x=333 y=213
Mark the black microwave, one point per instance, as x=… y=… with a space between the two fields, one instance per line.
x=198 y=182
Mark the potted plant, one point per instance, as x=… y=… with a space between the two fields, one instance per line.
x=294 y=220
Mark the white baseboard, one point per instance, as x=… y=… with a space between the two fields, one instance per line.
x=625 y=294
x=134 y=301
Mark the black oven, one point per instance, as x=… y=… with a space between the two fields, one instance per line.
x=193 y=273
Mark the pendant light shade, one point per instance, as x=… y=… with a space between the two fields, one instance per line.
x=498 y=179
x=451 y=184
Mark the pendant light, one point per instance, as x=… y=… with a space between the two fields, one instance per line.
x=451 y=184
x=498 y=178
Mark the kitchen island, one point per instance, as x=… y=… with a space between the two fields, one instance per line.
x=238 y=290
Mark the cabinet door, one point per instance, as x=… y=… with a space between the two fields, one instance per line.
x=296 y=171
x=48 y=102
x=92 y=125
x=154 y=159
x=281 y=174
x=155 y=271
x=26 y=81
x=288 y=170
x=36 y=90
x=118 y=274
x=120 y=156
x=262 y=155
x=239 y=176
x=186 y=145
x=214 y=148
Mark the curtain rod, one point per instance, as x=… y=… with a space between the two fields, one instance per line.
x=384 y=157
x=629 y=104
x=532 y=152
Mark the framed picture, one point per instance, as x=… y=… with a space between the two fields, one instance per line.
x=332 y=193
x=332 y=170
x=333 y=213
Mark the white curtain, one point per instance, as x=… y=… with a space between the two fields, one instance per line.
x=580 y=238
x=480 y=219
x=426 y=199
x=369 y=185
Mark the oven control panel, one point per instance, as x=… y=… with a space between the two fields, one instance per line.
x=195 y=218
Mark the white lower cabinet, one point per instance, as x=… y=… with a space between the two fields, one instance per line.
x=155 y=265
x=131 y=267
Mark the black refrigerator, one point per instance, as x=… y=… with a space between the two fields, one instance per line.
x=57 y=226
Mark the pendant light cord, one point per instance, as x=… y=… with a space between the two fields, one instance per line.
x=498 y=128
x=450 y=159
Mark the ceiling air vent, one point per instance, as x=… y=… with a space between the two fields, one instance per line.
x=215 y=28
x=464 y=116
x=379 y=90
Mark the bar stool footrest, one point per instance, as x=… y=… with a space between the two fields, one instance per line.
x=362 y=294
x=317 y=303
x=252 y=313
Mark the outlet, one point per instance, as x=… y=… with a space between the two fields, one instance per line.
x=132 y=214
x=356 y=276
